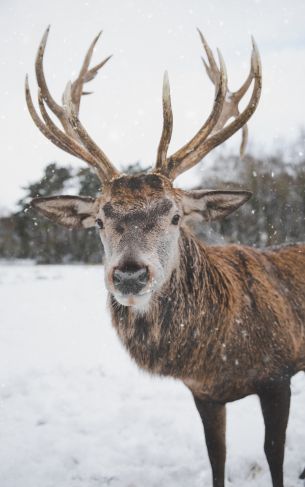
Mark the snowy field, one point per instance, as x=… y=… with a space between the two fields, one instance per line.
x=76 y=412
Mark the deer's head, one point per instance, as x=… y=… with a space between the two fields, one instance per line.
x=139 y=217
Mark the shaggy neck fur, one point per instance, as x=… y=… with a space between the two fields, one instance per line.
x=163 y=340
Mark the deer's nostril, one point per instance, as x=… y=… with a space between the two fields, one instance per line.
x=143 y=275
x=130 y=280
x=117 y=277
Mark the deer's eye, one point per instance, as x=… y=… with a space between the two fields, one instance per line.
x=175 y=219
x=99 y=223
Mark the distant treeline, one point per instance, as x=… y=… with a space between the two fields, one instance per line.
x=274 y=215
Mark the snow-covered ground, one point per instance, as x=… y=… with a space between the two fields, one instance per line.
x=75 y=411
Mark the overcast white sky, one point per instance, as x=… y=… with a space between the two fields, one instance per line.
x=146 y=37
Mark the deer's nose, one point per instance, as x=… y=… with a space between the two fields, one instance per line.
x=130 y=279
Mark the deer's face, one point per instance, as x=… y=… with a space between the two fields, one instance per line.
x=139 y=220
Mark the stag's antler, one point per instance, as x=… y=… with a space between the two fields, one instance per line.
x=73 y=139
x=214 y=131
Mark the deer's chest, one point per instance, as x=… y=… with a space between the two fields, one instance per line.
x=158 y=347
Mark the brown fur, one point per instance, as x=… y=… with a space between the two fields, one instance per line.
x=229 y=319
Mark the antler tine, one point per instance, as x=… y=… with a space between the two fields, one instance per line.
x=86 y=74
x=224 y=133
x=244 y=140
x=212 y=69
x=74 y=141
x=237 y=96
x=68 y=142
x=41 y=80
x=234 y=98
x=90 y=75
x=81 y=132
x=55 y=135
x=215 y=131
x=167 y=124
x=77 y=85
x=230 y=108
x=36 y=119
x=172 y=164
x=244 y=87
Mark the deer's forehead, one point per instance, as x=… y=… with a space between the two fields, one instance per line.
x=138 y=197
x=137 y=211
x=142 y=186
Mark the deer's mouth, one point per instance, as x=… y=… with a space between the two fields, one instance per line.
x=138 y=301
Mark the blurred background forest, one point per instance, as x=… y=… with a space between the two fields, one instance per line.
x=274 y=215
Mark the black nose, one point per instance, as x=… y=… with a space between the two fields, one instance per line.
x=130 y=279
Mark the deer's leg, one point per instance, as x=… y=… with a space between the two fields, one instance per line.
x=213 y=416
x=275 y=403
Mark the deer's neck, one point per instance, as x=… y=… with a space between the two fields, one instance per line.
x=185 y=318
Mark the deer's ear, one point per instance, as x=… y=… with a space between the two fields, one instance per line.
x=70 y=211
x=212 y=205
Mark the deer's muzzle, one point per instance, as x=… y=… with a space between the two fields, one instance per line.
x=130 y=279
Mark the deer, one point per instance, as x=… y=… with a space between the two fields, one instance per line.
x=227 y=321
